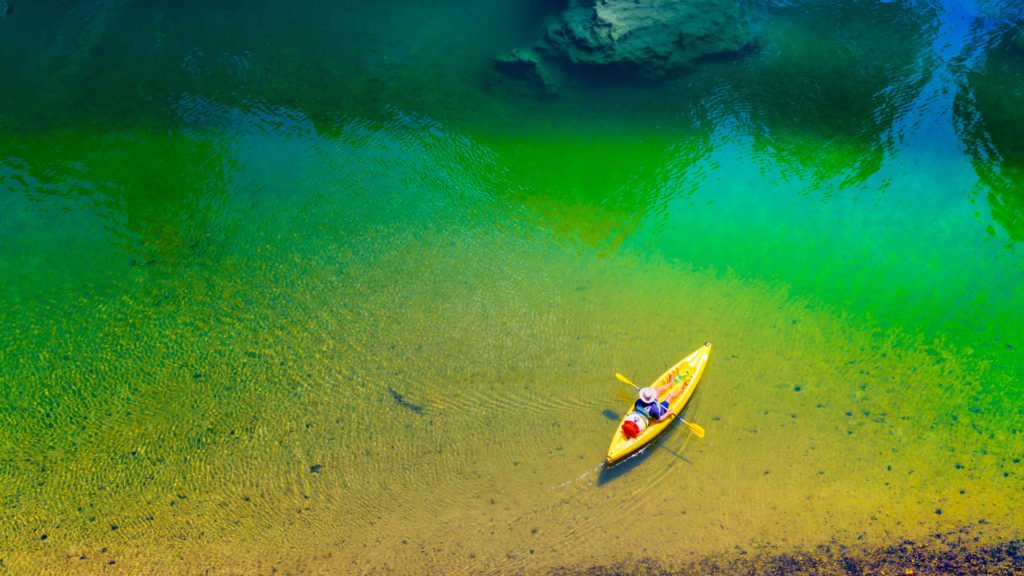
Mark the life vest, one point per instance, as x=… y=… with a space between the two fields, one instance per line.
x=643 y=408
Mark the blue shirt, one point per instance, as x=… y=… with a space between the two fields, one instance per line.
x=653 y=410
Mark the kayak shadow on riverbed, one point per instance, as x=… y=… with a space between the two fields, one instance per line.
x=610 y=473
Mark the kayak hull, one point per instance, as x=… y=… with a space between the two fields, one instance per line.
x=686 y=374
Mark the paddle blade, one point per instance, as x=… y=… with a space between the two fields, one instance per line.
x=697 y=430
x=626 y=380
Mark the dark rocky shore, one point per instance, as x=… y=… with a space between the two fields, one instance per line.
x=947 y=554
x=651 y=40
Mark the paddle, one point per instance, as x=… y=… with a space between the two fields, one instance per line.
x=697 y=430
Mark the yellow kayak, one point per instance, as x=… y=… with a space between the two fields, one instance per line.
x=683 y=375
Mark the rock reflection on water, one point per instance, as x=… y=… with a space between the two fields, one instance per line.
x=988 y=111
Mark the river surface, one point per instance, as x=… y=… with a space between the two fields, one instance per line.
x=295 y=289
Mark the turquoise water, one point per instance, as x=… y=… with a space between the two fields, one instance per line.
x=297 y=289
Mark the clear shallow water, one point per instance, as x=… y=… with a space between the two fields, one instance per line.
x=288 y=298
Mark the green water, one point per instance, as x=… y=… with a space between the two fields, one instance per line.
x=293 y=289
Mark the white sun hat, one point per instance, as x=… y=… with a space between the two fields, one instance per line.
x=648 y=395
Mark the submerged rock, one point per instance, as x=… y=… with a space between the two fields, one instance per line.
x=398 y=398
x=523 y=71
x=652 y=38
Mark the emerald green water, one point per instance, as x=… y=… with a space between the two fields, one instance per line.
x=292 y=289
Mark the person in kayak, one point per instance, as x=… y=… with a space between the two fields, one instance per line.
x=648 y=402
